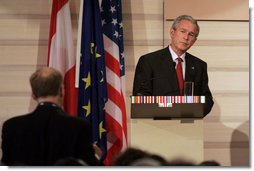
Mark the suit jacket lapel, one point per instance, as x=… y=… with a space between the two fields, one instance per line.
x=167 y=62
x=169 y=65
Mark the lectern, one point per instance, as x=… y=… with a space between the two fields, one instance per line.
x=170 y=126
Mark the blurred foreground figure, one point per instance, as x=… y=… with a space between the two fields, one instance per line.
x=48 y=134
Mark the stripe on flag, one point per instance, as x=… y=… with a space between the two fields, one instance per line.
x=60 y=51
x=115 y=107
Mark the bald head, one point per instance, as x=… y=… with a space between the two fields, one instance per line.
x=46 y=82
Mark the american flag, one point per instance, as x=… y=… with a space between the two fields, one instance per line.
x=101 y=75
x=112 y=27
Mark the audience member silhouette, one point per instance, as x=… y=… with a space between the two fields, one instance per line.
x=70 y=161
x=209 y=163
x=181 y=162
x=48 y=133
x=128 y=156
x=137 y=157
x=146 y=161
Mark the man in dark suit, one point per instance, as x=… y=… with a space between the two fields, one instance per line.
x=48 y=134
x=156 y=72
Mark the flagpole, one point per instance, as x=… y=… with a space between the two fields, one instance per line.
x=79 y=43
x=100 y=1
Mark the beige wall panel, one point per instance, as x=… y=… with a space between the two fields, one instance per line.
x=147 y=32
x=20 y=105
x=15 y=80
x=228 y=153
x=129 y=80
x=23 y=55
x=25 y=7
x=30 y=31
x=228 y=81
x=222 y=132
x=231 y=152
x=143 y=7
x=210 y=10
x=4 y=115
x=226 y=130
x=224 y=31
x=16 y=105
x=32 y=7
x=218 y=132
x=133 y=53
x=228 y=108
x=24 y=29
x=218 y=30
x=216 y=56
x=232 y=57
x=15 y=99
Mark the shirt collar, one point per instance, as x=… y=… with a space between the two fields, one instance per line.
x=174 y=55
x=48 y=104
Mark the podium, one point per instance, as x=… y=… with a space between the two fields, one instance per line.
x=170 y=128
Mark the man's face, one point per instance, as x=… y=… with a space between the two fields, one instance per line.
x=183 y=37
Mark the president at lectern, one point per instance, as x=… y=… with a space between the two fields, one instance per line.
x=163 y=72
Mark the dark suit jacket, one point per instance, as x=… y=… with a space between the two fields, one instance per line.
x=156 y=75
x=45 y=136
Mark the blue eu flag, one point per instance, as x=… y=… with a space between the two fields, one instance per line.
x=92 y=78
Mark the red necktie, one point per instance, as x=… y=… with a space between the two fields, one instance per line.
x=179 y=73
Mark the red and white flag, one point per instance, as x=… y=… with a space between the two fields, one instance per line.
x=61 y=53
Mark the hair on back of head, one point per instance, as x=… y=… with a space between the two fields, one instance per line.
x=46 y=82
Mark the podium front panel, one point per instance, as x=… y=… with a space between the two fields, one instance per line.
x=174 y=111
x=169 y=138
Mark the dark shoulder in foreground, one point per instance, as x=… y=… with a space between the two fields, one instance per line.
x=15 y=119
x=70 y=118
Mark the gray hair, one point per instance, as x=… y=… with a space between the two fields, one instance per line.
x=188 y=18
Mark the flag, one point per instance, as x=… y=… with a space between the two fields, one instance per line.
x=112 y=26
x=60 y=51
x=92 y=74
